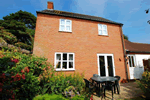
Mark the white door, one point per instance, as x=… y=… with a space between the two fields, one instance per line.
x=132 y=68
x=136 y=67
x=106 y=65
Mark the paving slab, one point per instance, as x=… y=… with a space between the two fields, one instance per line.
x=127 y=91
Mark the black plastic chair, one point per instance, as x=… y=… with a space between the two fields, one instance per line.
x=89 y=85
x=108 y=86
x=95 y=75
x=117 y=84
x=96 y=83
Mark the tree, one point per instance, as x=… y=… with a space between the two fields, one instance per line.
x=125 y=37
x=18 y=29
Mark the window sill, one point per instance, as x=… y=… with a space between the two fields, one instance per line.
x=103 y=35
x=65 y=31
x=64 y=69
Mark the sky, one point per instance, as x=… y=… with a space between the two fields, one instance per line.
x=131 y=13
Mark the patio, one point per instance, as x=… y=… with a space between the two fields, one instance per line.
x=127 y=91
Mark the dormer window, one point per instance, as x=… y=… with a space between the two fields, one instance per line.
x=102 y=29
x=65 y=25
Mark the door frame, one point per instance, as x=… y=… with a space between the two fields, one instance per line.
x=131 y=68
x=106 y=69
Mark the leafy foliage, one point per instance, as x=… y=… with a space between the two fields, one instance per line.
x=25 y=76
x=7 y=36
x=56 y=97
x=144 y=83
x=125 y=37
x=19 y=73
x=18 y=27
x=58 y=82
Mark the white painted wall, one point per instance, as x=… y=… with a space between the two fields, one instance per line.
x=139 y=59
x=136 y=73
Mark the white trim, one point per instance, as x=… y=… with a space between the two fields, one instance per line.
x=65 y=30
x=106 y=69
x=60 y=69
x=102 y=30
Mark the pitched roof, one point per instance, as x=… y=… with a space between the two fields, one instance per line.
x=137 y=47
x=76 y=15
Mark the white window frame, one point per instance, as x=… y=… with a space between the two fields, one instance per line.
x=65 y=25
x=131 y=60
x=102 y=30
x=68 y=69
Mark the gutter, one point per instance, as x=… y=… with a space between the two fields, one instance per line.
x=138 y=52
x=124 y=54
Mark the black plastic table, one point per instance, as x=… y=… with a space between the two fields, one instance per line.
x=103 y=79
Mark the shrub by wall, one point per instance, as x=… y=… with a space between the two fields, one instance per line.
x=144 y=83
x=19 y=75
x=25 y=76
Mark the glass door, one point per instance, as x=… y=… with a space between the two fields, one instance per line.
x=106 y=65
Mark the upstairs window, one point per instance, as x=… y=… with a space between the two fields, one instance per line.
x=102 y=29
x=65 y=25
x=64 y=61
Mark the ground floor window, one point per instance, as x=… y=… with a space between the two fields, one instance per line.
x=131 y=60
x=64 y=61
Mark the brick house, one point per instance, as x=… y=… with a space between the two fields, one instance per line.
x=80 y=43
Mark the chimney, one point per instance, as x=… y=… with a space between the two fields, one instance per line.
x=50 y=5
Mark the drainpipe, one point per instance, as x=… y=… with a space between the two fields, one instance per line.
x=124 y=53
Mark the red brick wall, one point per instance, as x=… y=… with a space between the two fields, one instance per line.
x=84 y=41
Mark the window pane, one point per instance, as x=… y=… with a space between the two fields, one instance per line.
x=100 y=32
x=104 y=32
x=58 y=64
x=62 y=27
x=133 y=65
x=70 y=56
x=130 y=61
x=99 y=26
x=70 y=64
x=102 y=65
x=68 y=22
x=62 y=21
x=110 y=65
x=64 y=56
x=58 y=56
x=64 y=65
x=68 y=28
x=104 y=27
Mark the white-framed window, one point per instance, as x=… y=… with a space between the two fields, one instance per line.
x=102 y=29
x=64 y=61
x=65 y=25
x=131 y=61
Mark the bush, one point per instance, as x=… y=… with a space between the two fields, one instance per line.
x=144 y=83
x=23 y=45
x=57 y=97
x=58 y=82
x=25 y=76
x=49 y=97
x=19 y=75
